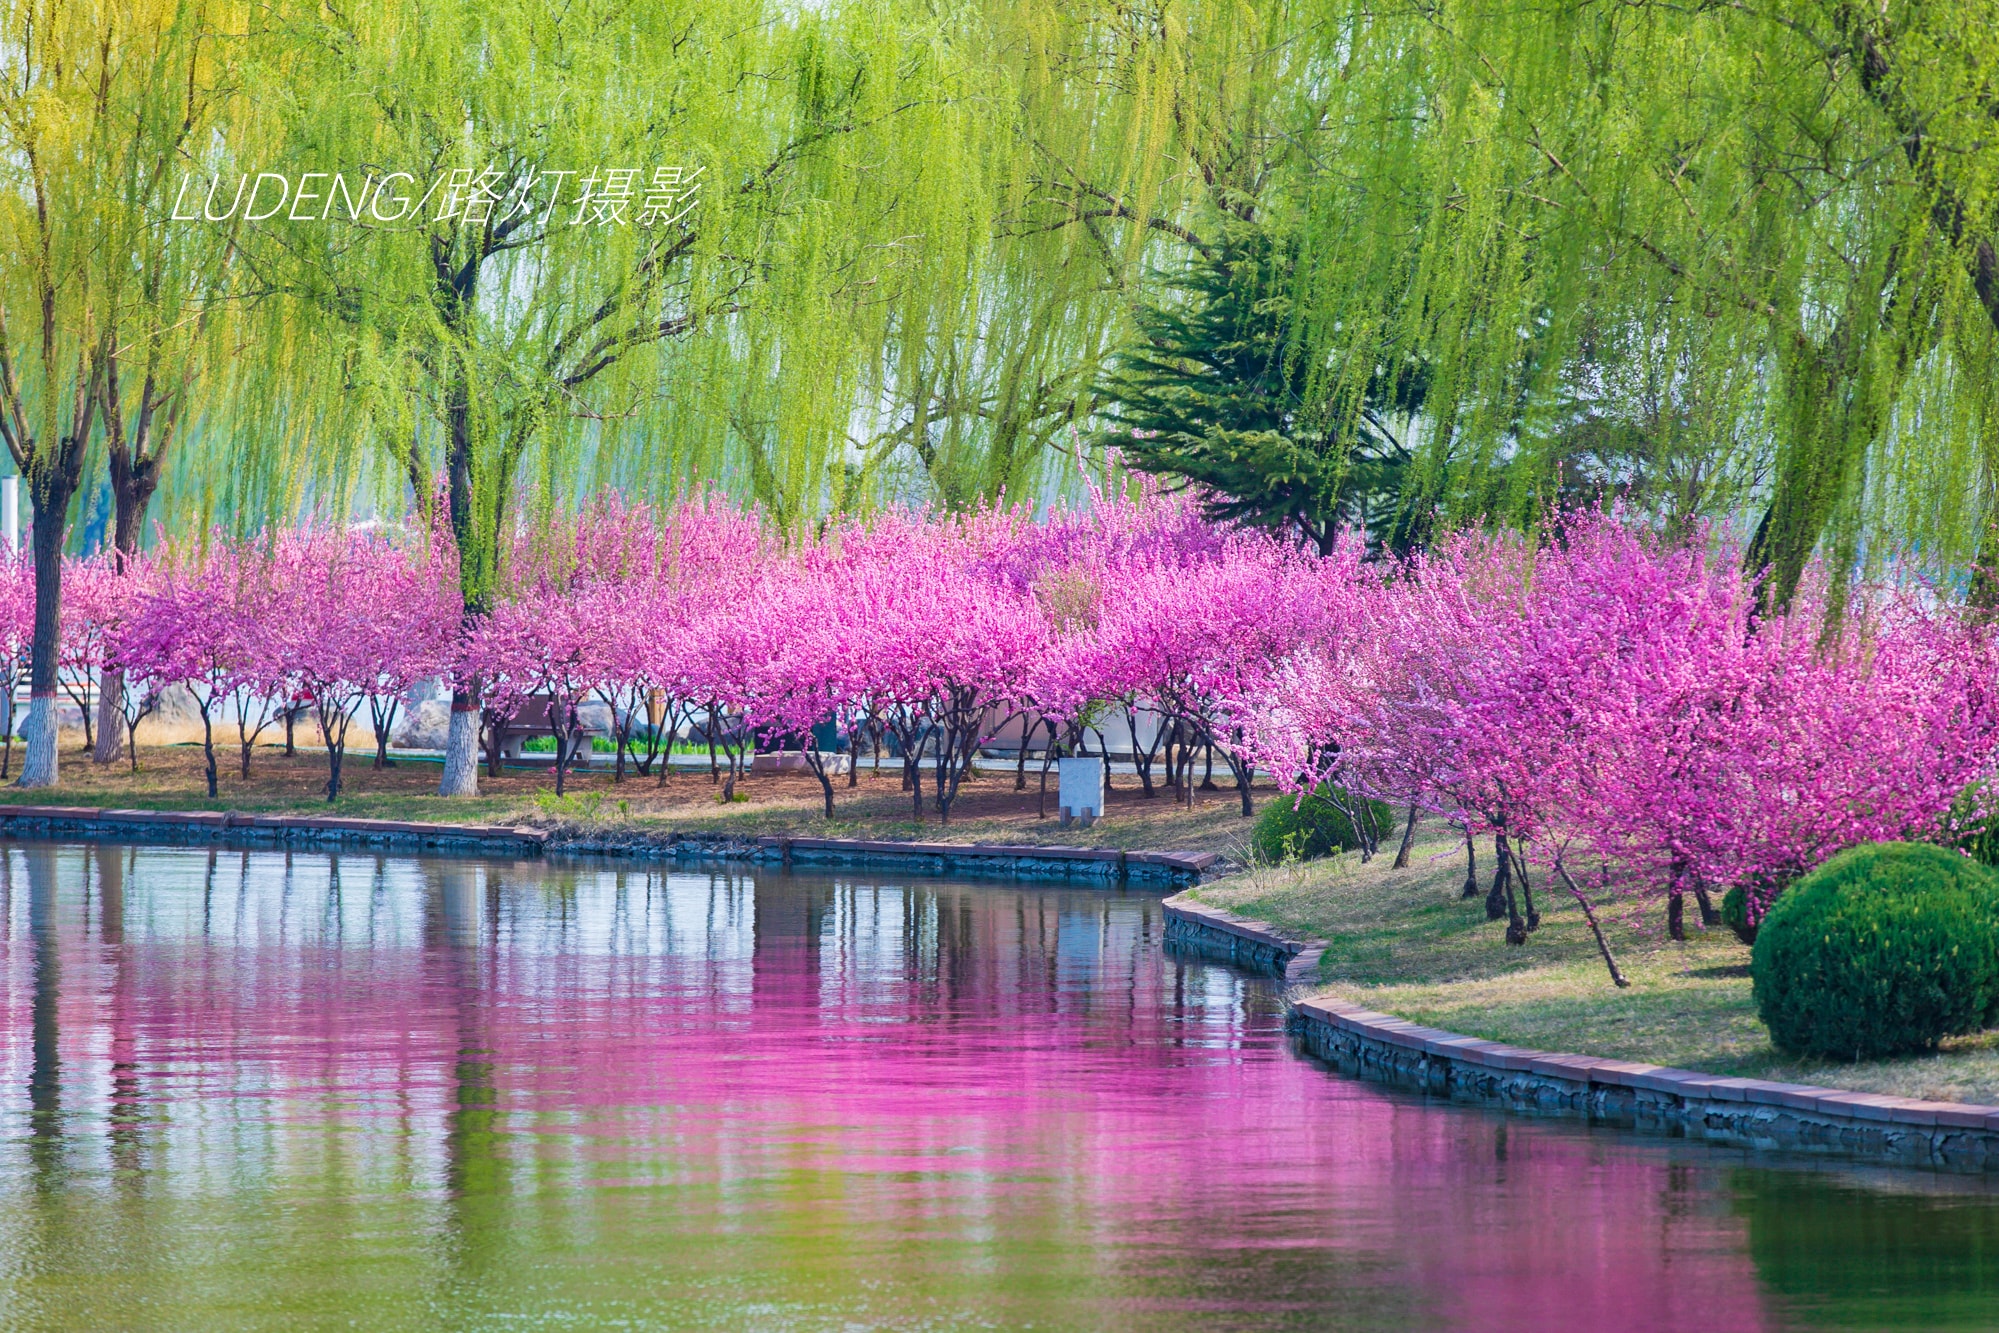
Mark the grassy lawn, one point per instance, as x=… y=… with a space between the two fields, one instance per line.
x=988 y=808
x=1405 y=942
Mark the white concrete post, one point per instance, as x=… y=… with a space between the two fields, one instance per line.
x=1082 y=789
x=10 y=511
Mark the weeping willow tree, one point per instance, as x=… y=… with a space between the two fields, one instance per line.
x=547 y=336
x=1722 y=262
x=1719 y=263
x=1741 y=256
x=102 y=109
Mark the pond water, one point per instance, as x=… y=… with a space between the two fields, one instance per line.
x=252 y=1089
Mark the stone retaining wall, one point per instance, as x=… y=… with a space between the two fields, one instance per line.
x=1738 y=1111
x=238 y=829
x=1255 y=945
x=1088 y=864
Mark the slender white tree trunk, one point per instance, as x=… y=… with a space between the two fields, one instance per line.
x=461 y=750
x=110 y=718
x=38 y=765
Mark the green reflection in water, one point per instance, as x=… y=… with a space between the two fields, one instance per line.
x=1872 y=1250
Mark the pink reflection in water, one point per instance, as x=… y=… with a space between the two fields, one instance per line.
x=991 y=1083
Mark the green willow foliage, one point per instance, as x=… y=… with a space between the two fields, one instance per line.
x=1722 y=261
x=539 y=351
x=1738 y=258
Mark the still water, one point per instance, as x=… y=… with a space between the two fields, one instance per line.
x=252 y=1089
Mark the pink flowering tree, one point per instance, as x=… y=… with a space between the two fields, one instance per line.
x=1201 y=641
x=945 y=651
x=792 y=642
x=189 y=629
x=328 y=587
x=17 y=631
x=95 y=599
x=1305 y=720
x=537 y=654
x=721 y=666
x=139 y=688
x=407 y=599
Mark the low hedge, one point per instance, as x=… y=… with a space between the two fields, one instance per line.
x=1291 y=829
x=1885 y=949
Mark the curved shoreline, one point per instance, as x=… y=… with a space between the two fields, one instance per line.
x=1101 y=865
x=1740 y=1112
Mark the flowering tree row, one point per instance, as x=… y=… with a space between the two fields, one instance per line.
x=1586 y=695
x=1606 y=698
x=258 y=632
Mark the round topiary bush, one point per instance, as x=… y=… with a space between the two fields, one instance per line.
x=1884 y=949
x=1303 y=830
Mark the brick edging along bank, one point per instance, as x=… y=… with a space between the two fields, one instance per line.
x=1103 y=865
x=1741 y=1111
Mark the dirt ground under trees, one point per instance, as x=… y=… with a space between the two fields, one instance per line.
x=989 y=807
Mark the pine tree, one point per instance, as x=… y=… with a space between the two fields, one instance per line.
x=1222 y=393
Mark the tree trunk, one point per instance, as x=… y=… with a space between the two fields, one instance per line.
x=461 y=747
x=1047 y=758
x=132 y=735
x=493 y=726
x=1589 y=915
x=79 y=694
x=816 y=761
x=39 y=766
x=1408 y=839
x=1502 y=885
x=384 y=719
x=134 y=464
x=1495 y=897
x=714 y=770
x=1142 y=757
x=562 y=752
x=336 y=746
x=1471 y=866
x=110 y=717
x=208 y=746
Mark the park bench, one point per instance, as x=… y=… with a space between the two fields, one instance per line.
x=510 y=731
x=793 y=761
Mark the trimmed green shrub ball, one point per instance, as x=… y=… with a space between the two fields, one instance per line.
x=1884 y=949
x=1315 y=827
